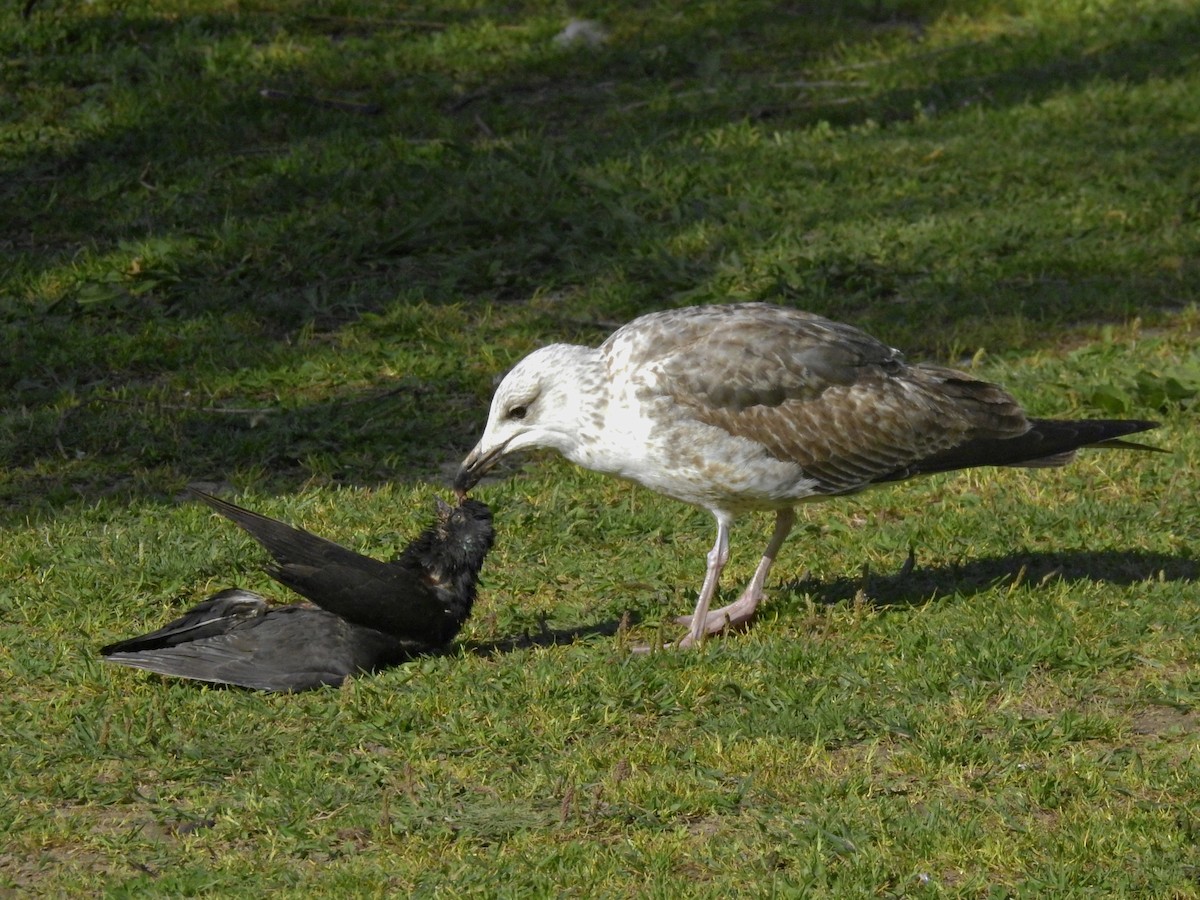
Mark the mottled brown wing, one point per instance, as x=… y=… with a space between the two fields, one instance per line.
x=736 y=357
x=881 y=427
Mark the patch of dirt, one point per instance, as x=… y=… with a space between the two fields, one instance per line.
x=1159 y=721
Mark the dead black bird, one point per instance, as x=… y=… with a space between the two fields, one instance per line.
x=369 y=614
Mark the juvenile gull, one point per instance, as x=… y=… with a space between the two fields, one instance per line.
x=758 y=407
x=368 y=614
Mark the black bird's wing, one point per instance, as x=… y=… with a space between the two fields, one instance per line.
x=397 y=598
x=215 y=616
x=236 y=638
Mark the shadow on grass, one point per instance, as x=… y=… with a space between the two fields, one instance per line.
x=497 y=218
x=549 y=637
x=914 y=587
x=917 y=585
x=408 y=428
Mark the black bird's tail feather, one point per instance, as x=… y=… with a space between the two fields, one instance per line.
x=287 y=544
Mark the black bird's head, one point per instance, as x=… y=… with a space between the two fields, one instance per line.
x=450 y=554
x=462 y=536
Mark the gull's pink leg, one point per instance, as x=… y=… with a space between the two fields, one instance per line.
x=717 y=557
x=740 y=611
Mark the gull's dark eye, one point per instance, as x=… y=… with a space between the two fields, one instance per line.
x=517 y=412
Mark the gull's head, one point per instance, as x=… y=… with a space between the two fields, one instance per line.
x=538 y=404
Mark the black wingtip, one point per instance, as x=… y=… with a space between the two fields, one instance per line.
x=204 y=497
x=1107 y=433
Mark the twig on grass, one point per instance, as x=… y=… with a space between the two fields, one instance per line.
x=362 y=109
x=360 y=22
x=915 y=57
x=183 y=407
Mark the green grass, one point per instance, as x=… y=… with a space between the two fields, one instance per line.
x=308 y=294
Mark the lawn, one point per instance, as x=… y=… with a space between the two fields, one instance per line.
x=286 y=248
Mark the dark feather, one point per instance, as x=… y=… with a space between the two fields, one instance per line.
x=1048 y=442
